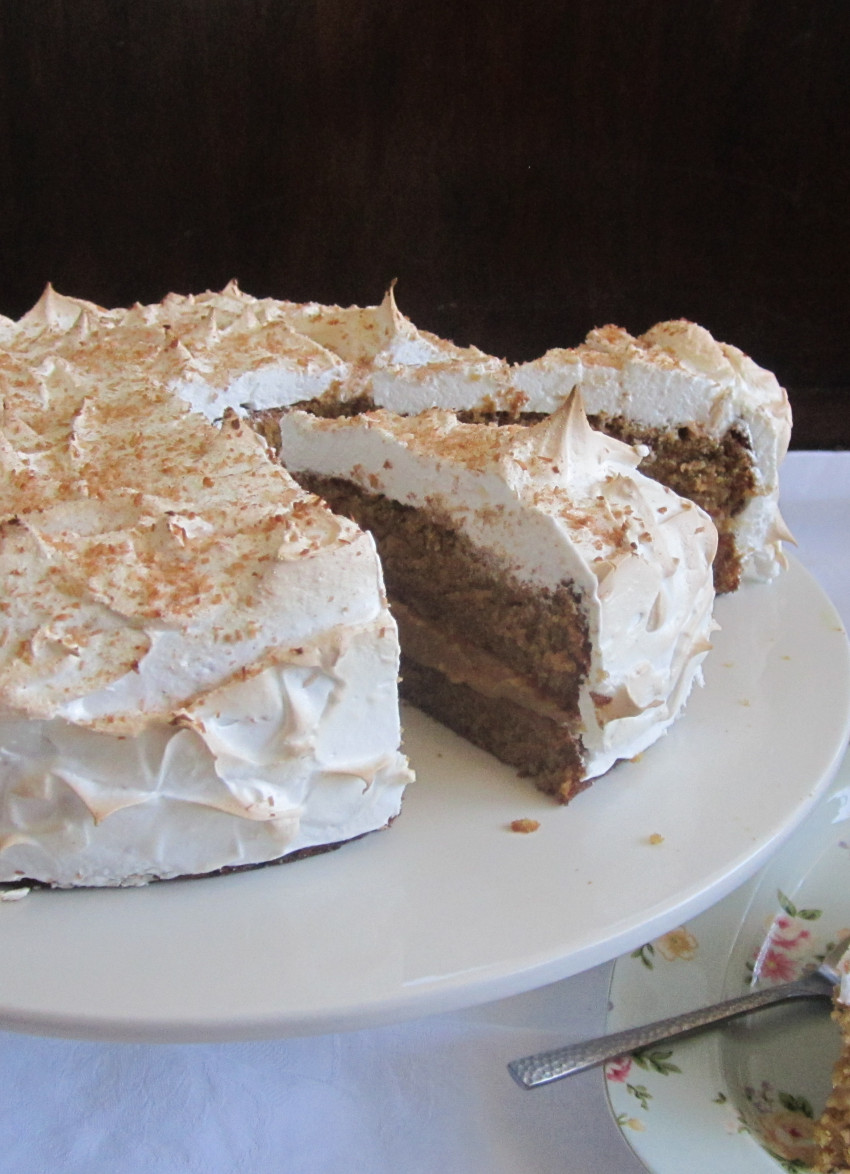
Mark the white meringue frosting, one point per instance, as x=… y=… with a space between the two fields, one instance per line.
x=198 y=668
x=673 y=375
x=552 y=503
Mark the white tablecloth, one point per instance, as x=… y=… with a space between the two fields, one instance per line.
x=428 y=1097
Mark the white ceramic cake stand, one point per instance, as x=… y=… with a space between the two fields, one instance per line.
x=450 y=908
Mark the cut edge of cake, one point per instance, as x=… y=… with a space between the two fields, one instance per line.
x=563 y=600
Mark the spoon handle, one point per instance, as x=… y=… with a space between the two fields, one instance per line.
x=545 y=1067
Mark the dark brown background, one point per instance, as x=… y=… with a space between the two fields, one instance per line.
x=526 y=170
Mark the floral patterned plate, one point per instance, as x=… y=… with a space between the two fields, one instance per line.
x=743 y=1098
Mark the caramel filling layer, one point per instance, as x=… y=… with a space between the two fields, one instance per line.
x=462 y=663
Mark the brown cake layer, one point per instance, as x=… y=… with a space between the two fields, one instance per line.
x=490 y=704
x=437 y=572
x=497 y=661
x=464 y=663
x=832 y=1131
x=532 y=743
x=329 y=406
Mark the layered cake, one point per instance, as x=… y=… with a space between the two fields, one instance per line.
x=554 y=604
x=832 y=1131
x=198 y=669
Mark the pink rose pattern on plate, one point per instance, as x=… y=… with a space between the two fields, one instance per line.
x=782 y=1122
x=787 y=949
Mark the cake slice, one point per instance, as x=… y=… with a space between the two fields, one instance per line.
x=716 y=426
x=832 y=1131
x=198 y=668
x=554 y=604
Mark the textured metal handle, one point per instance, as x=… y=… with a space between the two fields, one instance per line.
x=545 y=1067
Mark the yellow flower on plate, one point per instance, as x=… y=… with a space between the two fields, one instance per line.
x=678 y=943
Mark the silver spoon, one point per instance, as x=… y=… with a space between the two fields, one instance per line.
x=545 y=1067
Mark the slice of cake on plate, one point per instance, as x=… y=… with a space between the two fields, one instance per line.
x=832 y=1131
x=716 y=425
x=554 y=604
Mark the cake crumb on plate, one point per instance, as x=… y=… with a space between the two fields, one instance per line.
x=525 y=825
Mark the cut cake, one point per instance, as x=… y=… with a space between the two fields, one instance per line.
x=243 y=595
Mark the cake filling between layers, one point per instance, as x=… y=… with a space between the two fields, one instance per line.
x=481 y=651
x=571 y=593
